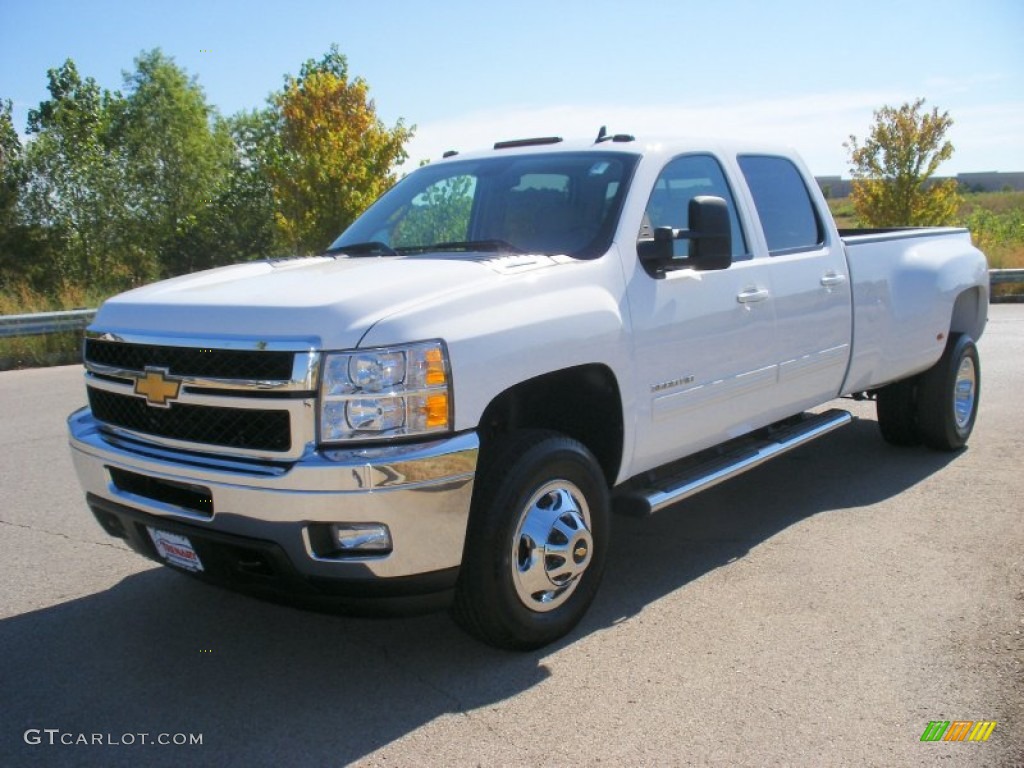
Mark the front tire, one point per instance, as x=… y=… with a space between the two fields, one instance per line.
x=947 y=401
x=536 y=543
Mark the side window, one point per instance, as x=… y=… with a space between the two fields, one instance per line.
x=783 y=204
x=680 y=181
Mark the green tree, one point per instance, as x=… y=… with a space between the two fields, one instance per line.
x=239 y=222
x=10 y=144
x=178 y=158
x=72 y=192
x=331 y=155
x=10 y=186
x=893 y=169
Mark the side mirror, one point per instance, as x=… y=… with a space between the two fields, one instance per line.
x=710 y=233
x=710 y=236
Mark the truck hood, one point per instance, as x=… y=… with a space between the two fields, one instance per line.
x=328 y=301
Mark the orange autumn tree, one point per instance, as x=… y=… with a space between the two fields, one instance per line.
x=894 y=169
x=332 y=155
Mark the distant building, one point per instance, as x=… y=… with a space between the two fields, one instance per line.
x=834 y=186
x=991 y=181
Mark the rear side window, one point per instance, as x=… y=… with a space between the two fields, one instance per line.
x=783 y=203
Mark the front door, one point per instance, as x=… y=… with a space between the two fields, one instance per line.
x=704 y=340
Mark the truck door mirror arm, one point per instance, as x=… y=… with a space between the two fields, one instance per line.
x=710 y=236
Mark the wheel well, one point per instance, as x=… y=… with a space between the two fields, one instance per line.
x=582 y=402
x=968 y=314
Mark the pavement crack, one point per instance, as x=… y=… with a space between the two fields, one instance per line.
x=413 y=674
x=416 y=675
x=62 y=535
x=458 y=706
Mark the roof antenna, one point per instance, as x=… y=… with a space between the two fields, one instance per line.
x=602 y=134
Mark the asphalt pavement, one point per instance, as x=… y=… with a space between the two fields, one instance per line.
x=821 y=610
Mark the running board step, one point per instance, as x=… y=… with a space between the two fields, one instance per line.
x=700 y=474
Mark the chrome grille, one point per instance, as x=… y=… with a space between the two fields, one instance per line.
x=191 y=361
x=246 y=398
x=258 y=430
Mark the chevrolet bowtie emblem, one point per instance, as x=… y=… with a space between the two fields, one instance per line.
x=157 y=387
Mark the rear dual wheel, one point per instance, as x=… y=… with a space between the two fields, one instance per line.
x=947 y=399
x=938 y=407
x=896 y=407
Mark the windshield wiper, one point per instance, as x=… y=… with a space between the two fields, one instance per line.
x=471 y=245
x=377 y=248
x=371 y=248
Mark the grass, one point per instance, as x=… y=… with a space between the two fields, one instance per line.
x=996 y=222
x=996 y=202
x=843 y=213
x=51 y=349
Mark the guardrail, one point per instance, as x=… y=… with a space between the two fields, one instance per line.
x=1002 y=276
x=42 y=323
x=77 y=319
x=1006 y=277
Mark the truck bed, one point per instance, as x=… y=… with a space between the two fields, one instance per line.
x=906 y=281
x=855 y=236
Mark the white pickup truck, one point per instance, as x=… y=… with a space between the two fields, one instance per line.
x=447 y=404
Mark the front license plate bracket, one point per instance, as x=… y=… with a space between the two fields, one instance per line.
x=175 y=549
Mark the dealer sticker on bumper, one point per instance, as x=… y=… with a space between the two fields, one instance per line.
x=176 y=550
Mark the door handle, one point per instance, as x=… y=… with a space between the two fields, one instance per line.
x=831 y=279
x=752 y=296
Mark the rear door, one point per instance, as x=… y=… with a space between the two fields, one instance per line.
x=810 y=284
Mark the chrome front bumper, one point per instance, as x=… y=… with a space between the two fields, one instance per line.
x=422 y=492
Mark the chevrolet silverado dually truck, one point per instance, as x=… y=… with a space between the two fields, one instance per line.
x=447 y=404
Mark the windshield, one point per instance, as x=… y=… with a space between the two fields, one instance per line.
x=551 y=203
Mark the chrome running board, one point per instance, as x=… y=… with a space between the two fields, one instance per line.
x=705 y=471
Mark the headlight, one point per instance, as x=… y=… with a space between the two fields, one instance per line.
x=381 y=393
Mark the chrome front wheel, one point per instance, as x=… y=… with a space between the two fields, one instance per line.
x=552 y=546
x=536 y=543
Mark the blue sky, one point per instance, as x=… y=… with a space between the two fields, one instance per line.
x=469 y=73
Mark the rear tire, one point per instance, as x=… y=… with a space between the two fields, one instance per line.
x=896 y=407
x=947 y=401
x=536 y=542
